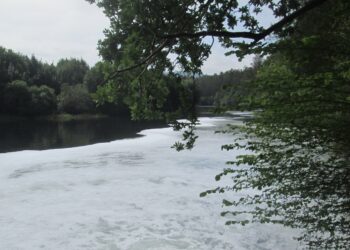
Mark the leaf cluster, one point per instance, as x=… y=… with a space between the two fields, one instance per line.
x=298 y=163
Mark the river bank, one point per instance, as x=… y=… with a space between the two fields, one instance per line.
x=53 y=118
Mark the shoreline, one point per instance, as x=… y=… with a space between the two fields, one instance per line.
x=53 y=118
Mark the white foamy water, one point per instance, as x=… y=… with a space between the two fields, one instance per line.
x=133 y=194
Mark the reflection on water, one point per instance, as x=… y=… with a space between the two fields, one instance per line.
x=39 y=135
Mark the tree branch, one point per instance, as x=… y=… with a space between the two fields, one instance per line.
x=290 y=18
x=312 y=4
x=251 y=35
x=144 y=61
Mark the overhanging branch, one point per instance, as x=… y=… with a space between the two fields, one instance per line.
x=312 y=4
x=144 y=61
x=290 y=18
x=248 y=35
x=251 y=35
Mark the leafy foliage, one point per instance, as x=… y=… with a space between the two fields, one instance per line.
x=14 y=66
x=30 y=87
x=16 y=98
x=75 y=99
x=299 y=140
x=71 y=71
x=94 y=77
x=43 y=100
x=19 y=99
x=214 y=89
x=143 y=35
x=149 y=42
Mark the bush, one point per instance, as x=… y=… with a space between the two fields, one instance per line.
x=43 y=100
x=17 y=98
x=71 y=71
x=75 y=100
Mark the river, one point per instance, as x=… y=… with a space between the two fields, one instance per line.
x=132 y=194
x=29 y=134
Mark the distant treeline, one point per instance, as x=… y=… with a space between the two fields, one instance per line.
x=229 y=88
x=29 y=87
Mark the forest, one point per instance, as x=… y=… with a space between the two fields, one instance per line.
x=33 y=88
x=29 y=87
x=226 y=90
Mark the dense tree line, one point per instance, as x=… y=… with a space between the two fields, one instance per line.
x=227 y=89
x=30 y=87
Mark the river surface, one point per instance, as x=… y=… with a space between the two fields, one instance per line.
x=130 y=194
x=41 y=134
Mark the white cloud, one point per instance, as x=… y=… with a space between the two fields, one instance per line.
x=52 y=29
x=218 y=62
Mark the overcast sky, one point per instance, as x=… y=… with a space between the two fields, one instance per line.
x=54 y=29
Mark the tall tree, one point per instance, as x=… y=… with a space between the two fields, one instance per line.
x=94 y=77
x=75 y=99
x=300 y=139
x=71 y=71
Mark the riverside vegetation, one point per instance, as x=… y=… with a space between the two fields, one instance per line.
x=299 y=139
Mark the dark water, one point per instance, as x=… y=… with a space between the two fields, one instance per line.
x=40 y=135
